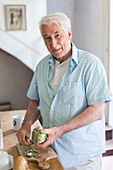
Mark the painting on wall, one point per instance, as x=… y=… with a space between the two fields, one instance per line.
x=15 y=17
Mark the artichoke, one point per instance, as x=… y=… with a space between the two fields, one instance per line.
x=32 y=153
x=37 y=136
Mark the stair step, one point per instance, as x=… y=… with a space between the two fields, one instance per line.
x=109 y=144
x=109 y=148
x=108 y=153
x=108 y=132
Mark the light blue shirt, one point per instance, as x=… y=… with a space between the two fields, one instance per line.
x=83 y=83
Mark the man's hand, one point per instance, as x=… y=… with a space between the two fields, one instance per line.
x=53 y=134
x=31 y=116
x=23 y=135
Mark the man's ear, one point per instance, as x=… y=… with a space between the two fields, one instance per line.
x=69 y=34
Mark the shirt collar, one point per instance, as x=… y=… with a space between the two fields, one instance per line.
x=51 y=61
x=74 y=55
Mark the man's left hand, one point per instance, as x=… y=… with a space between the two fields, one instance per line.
x=53 y=134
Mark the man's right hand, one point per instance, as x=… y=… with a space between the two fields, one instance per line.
x=31 y=116
x=23 y=135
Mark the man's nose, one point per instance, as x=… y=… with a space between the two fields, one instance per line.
x=53 y=42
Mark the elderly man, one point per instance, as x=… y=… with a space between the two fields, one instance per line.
x=71 y=89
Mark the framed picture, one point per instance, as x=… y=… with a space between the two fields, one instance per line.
x=15 y=17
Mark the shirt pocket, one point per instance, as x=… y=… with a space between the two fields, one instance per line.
x=72 y=93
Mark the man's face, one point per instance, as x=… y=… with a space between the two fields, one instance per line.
x=57 y=41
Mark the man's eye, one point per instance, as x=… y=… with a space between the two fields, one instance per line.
x=58 y=36
x=47 y=38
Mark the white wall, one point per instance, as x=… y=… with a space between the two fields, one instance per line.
x=88 y=21
x=66 y=6
x=28 y=45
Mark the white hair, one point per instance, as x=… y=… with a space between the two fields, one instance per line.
x=57 y=18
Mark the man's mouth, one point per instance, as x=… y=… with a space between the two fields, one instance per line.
x=56 y=50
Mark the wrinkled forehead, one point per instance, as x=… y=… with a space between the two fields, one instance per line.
x=51 y=28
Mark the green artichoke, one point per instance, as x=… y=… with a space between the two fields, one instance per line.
x=32 y=153
x=37 y=136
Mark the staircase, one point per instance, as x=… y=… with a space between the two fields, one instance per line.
x=109 y=141
x=107 y=160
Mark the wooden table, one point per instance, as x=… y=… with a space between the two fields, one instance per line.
x=10 y=139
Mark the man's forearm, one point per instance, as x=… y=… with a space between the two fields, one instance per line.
x=32 y=113
x=91 y=114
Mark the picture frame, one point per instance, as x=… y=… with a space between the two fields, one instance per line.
x=15 y=16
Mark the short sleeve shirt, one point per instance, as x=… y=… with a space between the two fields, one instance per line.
x=84 y=83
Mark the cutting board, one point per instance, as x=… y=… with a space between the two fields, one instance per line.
x=46 y=154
